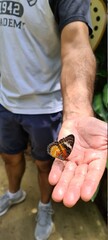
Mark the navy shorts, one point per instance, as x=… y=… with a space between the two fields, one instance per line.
x=17 y=129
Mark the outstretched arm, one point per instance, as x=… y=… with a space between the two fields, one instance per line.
x=79 y=176
x=78 y=70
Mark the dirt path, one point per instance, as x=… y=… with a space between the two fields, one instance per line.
x=82 y=222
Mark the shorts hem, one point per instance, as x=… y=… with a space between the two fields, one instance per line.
x=13 y=152
x=47 y=158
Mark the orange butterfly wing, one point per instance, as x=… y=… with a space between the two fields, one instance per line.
x=61 y=149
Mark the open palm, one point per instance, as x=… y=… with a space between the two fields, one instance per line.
x=79 y=176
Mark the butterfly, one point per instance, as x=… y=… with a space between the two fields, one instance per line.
x=61 y=149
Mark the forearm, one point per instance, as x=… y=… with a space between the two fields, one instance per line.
x=77 y=79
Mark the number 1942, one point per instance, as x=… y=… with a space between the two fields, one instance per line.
x=11 y=8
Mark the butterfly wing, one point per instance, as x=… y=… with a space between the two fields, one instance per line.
x=67 y=144
x=62 y=148
x=54 y=150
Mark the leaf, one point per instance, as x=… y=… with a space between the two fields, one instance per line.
x=105 y=95
x=102 y=73
x=98 y=106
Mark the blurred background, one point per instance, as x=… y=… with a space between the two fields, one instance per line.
x=98 y=41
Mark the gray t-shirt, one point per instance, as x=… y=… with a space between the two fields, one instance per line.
x=30 y=62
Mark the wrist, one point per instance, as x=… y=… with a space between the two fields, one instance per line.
x=72 y=114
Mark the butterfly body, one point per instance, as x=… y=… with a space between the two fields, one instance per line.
x=61 y=149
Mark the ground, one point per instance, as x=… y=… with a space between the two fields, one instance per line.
x=82 y=222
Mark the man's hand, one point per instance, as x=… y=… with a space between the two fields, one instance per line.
x=79 y=176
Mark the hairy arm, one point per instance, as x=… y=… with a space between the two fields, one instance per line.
x=78 y=70
x=79 y=176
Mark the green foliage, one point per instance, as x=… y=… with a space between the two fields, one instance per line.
x=100 y=101
x=105 y=96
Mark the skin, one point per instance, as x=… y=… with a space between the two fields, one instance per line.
x=78 y=70
x=79 y=176
x=15 y=167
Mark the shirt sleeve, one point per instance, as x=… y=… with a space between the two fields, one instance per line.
x=67 y=11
